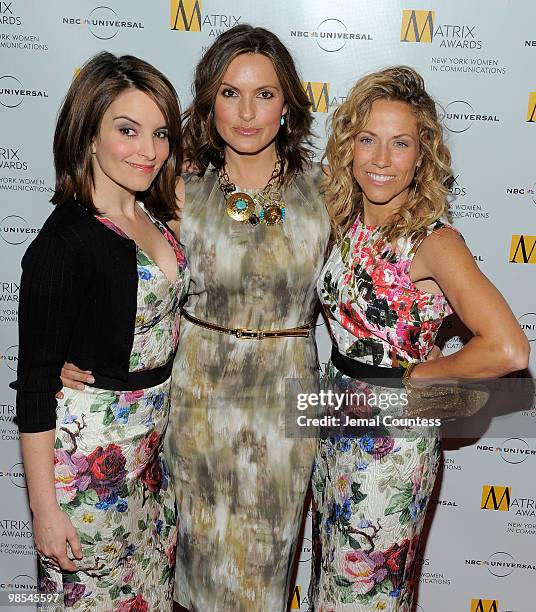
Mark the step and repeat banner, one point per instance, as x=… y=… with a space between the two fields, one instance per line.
x=478 y=61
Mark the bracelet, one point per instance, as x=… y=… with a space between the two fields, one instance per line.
x=408 y=371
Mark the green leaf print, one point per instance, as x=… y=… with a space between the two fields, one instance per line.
x=357 y=496
x=145 y=563
x=102 y=401
x=58 y=443
x=354 y=543
x=169 y=516
x=422 y=445
x=342 y=581
x=400 y=501
x=343 y=538
x=85 y=538
x=68 y=578
x=120 y=532
x=134 y=360
x=142 y=259
x=405 y=516
x=345 y=249
x=115 y=591
x=142 y=526
x=150 y=298
x=97 y=537
x=89 y=497
x=108 y=417
x=126 y=589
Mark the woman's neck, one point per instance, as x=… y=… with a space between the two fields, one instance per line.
x=250 y=171
x=115 y=201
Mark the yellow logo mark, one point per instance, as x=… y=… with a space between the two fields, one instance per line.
x=185 y=15
x=417 y=26
x=496 y=498
x=484 y=605
x=531 y=113
x=318 y=94
x=296 y=598
x=522 y=249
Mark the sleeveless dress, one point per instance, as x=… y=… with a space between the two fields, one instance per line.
x=371 y=491
x=111 y=476
x=240 y=483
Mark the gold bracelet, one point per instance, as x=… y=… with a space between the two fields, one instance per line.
x=408 y=371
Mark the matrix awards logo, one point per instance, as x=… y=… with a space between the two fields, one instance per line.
x=496 y=498
x=522 y=249
x=512 y=450
x=10 y=159
x=188 y=16
x=103 y=23
x=417 y=26
x=531 y=111
x=484 y=605
x=459 y=115
x=332 y=35
x=10 y=357
x=299 y=602
x=185 y=15
x=527 y=322
x=318 y=94
x=7 y=15
x=13 y=92
x=15 y=230
x=15 y=528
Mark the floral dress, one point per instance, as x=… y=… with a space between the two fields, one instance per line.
x=111 y=476
x=371 y=491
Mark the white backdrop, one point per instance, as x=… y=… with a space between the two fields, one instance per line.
x=478 y=61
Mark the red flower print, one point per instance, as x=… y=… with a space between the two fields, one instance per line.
x=107 y=469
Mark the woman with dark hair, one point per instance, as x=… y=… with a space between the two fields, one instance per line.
x=256 y=231
x=397 y=269
x=101 y=287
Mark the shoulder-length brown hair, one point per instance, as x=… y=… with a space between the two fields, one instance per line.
x=202 y=143
x=98 y=83
x=427 y=201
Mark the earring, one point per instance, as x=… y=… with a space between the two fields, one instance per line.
x=282 y=120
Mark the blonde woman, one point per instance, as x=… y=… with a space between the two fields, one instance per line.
x=395 y=271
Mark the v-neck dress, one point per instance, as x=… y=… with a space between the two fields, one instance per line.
x=111 y=476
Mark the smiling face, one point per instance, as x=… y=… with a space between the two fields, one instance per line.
x=131 y=145
x=386 y=155
x=249 y=104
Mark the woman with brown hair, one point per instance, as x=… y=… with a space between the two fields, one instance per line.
x=101 y=287
x=255 y=230
x=396 y=270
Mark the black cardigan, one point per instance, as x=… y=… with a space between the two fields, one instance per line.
x=77 y=303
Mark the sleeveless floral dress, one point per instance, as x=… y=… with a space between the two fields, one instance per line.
x=371 y=492
x=111 y=476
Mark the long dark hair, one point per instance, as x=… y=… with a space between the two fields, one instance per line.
x=202 y=143
x=99 y=82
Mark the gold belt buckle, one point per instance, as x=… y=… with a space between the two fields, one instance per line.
x=249 y=333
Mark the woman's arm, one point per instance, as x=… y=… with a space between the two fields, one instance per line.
x=50 y=293
x=51 y=526
x=498 y=346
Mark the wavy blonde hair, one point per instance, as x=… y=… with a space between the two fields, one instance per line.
x=427 y=201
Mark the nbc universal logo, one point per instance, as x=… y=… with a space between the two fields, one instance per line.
x=192 y=16
x=332 y=35
x=448 y=37
x=459 y=115
x=103 y=22
x=13 y=92
x=512 y=450
x=500 y=564
x=15 y=230
x=15 y=474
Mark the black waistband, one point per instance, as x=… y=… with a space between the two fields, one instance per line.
x=386 y=377
x=143 y=379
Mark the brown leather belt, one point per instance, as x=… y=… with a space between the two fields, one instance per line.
x=258 y=334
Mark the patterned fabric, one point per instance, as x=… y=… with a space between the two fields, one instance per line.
x=376 y=313
x=240 y=482
x=371 y=492
x=111 y=476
